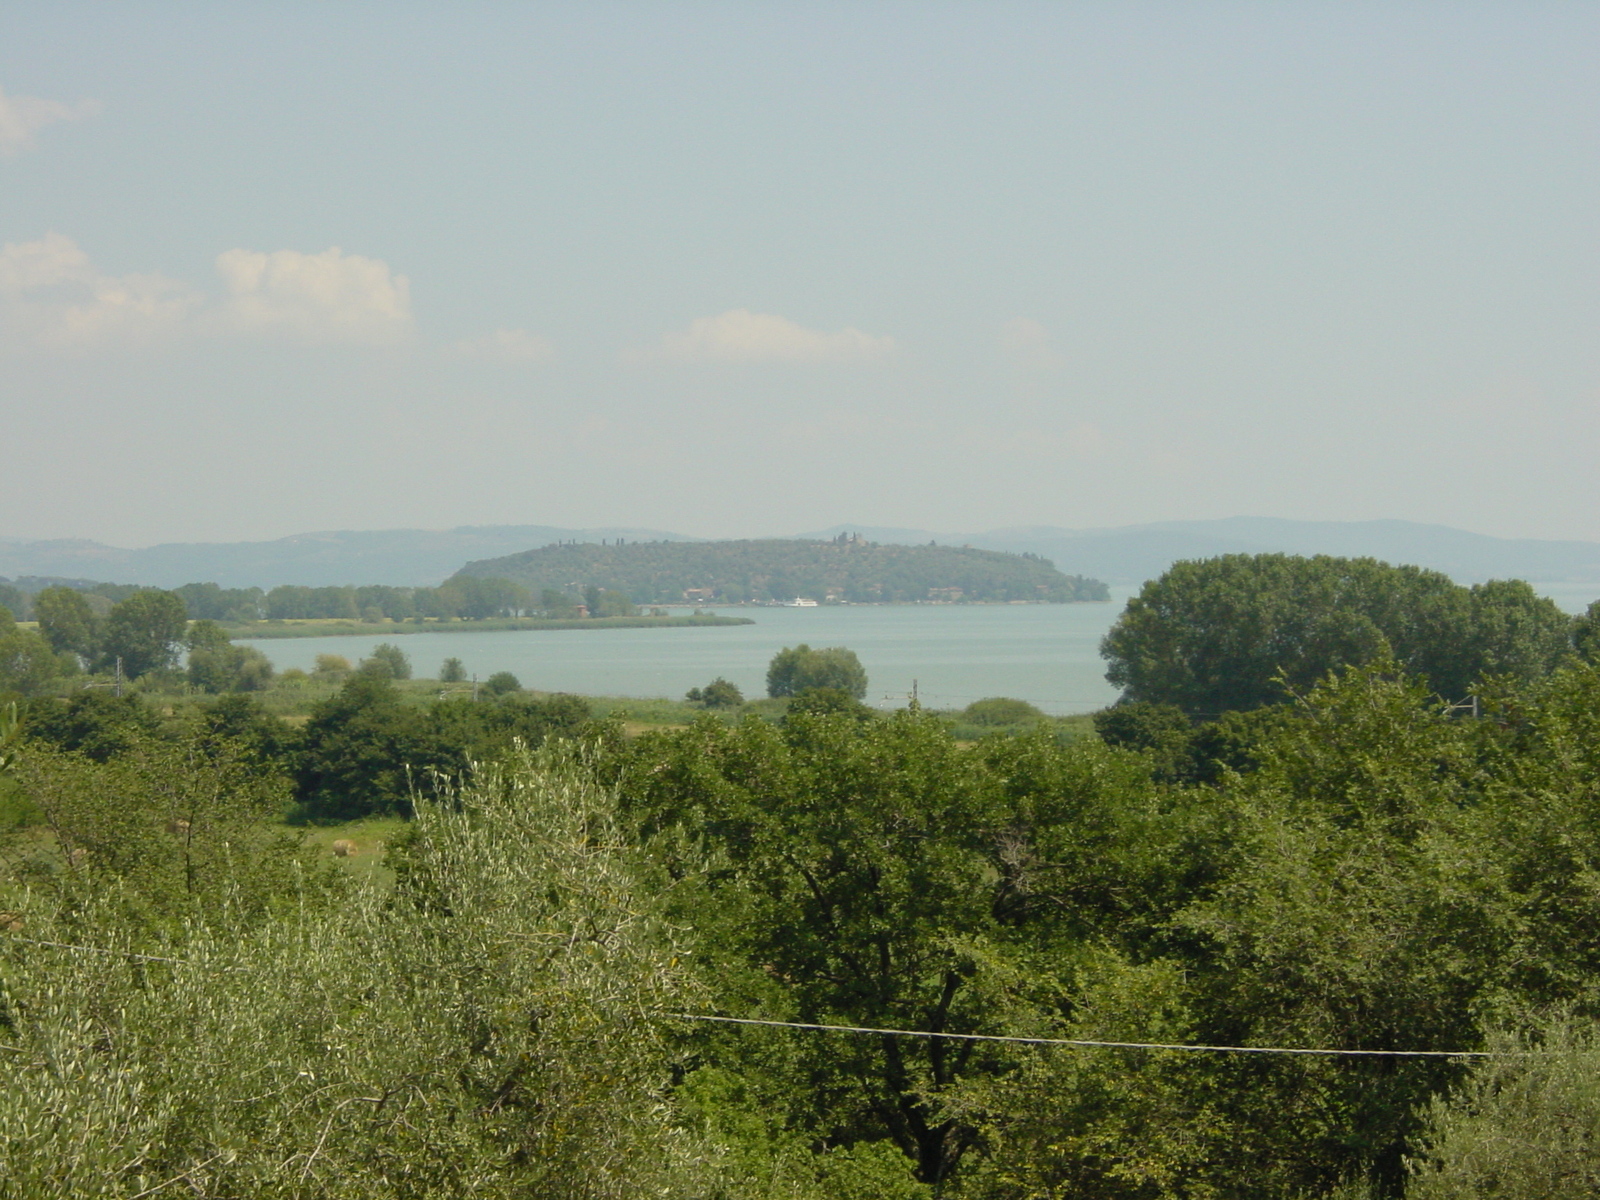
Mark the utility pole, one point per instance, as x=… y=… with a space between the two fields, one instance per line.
x=119 y=676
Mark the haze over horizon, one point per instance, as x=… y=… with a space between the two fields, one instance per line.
x=734 y=270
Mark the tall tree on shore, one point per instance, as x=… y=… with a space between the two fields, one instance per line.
x=145 y=632
x=66 y=620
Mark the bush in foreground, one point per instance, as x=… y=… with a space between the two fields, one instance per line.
x=485 y=1030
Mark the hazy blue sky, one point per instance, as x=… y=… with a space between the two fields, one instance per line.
x=756 y=268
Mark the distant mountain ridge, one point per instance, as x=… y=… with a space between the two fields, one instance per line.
x=402 y=557
x=1123 y=555
x=1134 y=553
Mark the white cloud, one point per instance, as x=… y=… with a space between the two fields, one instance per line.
x=52 y=297
x=741 y=336
x=504 y=346
x=327 y=297
x=22 y=116
x=1026 y=345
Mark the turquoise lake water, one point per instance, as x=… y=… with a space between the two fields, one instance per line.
x=1044 y=653
x=1048 y=654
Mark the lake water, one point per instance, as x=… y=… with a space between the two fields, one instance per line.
x=1048 y=654
x=1045 y=653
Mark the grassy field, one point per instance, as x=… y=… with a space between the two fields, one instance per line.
x=371 y=836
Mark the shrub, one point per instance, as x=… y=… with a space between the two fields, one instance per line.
x=426 y=1042
x=1527 y=1124
x=388 y=661
x=719 y=693
x=794 y=669
x=502 y=683
x=1001 y=710
x=826 y=701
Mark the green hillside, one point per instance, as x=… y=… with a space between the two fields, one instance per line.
x=846 y=568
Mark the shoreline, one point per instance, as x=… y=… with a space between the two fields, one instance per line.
x=315 y=627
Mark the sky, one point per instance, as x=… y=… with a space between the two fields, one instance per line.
x=754 y=268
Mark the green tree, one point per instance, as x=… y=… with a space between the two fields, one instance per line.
x=451 y=671
x=362 y=751
x=28 y=666
x=794 y=669
x=209 y=602
x=1525 y=1124
x=1586 y=633
x=478 y=599
x=826 y=701
x=181 y=820
x=95 y=724
x=1233 y=632
x=217 y=665
x=719 y=693
x=388 y=661
x=609 y=603
x=1515 y=631
x=10 y=737
x=556 y=603
x=415 y=1040
x=877 y=874
x=501 y=683
x=1141 y=725
x=16 y=600
x=1001 y=710
x=145 y=632
x=66 y=620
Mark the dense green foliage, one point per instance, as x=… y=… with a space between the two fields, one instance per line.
x=190 y=1003
x=140 y=634
x=364 y=751
x=1368 y=873
x=719 y=693
x=28 y=665
x=70 y=609
x=502 y=683
x=216 y=665
x=796 y=669
x=67 y=621
x=15 y=601
x=1001 y=710
x=1234 y=632
x=388 y=661
x=739 y=571
x=297 y=1038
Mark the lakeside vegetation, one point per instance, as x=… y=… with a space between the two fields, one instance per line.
x=469 y=599
x=314 y=627
x=196 y=994
x=847 y=569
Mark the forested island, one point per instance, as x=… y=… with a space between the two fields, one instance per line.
x=845 y=569
x=1309 y=915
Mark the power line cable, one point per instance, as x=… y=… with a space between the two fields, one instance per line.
x=1090 y=1044
x=1081 y=1043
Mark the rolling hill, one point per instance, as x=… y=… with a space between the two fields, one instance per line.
x=843 y=568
